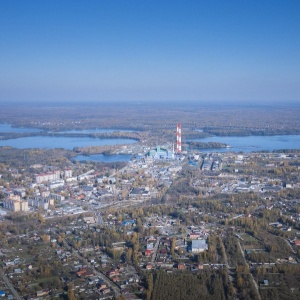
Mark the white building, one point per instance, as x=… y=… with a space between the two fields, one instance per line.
x=68 y=173
x=199 y=246
x=55 y=175
x=56 y=184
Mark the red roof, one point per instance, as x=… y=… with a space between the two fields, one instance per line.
x=297 y=242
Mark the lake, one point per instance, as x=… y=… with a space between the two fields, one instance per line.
x=65 y=142
x=253 y=143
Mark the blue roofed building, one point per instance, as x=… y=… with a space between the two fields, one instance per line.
x=128 y=222
x=161 y=153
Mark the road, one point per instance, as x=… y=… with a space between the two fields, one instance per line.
x=290 y=246
x=253 y=280
x=14 y=292
x=155 y=250
x=107 y=280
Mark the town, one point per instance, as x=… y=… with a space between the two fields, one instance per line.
x=149 y=150
x=87 y=230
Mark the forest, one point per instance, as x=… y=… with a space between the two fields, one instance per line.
x=186 y=285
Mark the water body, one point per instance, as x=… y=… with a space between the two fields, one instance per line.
x=253 y=143
x=104 y=158
x=7 y=128
x=51 y=142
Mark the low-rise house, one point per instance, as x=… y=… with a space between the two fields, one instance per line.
x=194 y=236
x=85 y=272
x=42 y=293
x=89 y=220
x=297 y=242
x=148 y=252
x=106 y=291
x=113 y=273
x=102 y=286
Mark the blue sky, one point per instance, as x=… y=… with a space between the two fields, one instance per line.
x=138 y=50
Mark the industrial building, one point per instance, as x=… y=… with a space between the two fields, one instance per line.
x=161 y=153
x=199 y=246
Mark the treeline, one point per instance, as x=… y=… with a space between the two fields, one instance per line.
x=179 y=188
x=283 y=281
x=237 y=131
x=206 y=284
x=202 y=145
x=23 y=158
x=245 y=285
x=234 y=255
x=216 y=251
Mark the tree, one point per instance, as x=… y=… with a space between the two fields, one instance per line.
x=71 y=295
x=150 y=286
x=240 y=282
x=129 y=255
x=173 y=244
x=45 y=238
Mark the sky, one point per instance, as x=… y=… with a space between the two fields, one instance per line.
x=241 y=51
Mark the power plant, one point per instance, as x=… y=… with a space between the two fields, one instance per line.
x=165 y=152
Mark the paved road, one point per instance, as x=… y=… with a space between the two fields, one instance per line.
x=14 y=292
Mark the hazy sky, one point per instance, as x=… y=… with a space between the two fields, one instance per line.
x=242 y=50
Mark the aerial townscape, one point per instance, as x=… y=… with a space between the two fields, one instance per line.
x=161 y=216
x=149 y=150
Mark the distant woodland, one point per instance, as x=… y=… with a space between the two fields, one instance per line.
x=211 y=119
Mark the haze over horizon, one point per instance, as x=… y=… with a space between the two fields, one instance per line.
x=206 y=51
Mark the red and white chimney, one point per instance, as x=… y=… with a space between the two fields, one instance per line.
x=178 y=138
